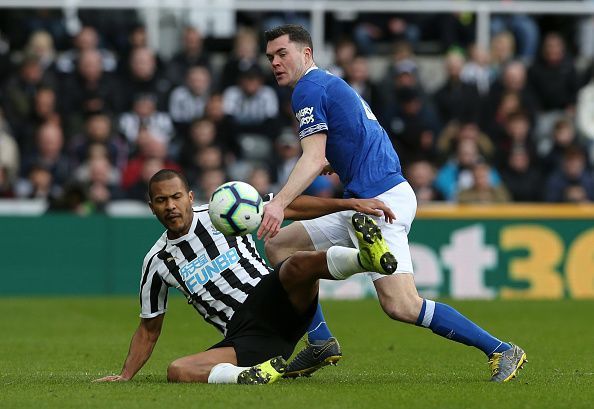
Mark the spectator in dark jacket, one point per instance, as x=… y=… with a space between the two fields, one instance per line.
x=571 y=182
x=522 y=177
x=553 y=77
x=456 y=99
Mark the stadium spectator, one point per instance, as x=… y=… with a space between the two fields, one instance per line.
x=288 y=151
x=144 y=115
x=137 y=39
x=401 y=52
x=99 y=130
x=259 y=178
x=476 y=70
x=85 y=40
x=512 y=82
x=456 y=99
x=244 y=56
x=524 y=29
x=206 y=183
x=372 y=29
x=191 y=54
x=48 y=154
x=203 y=159
x=18 y=96
x=6 y=185
x=138 y=190
x=224 y=124
x=522 y=177
x=502 y=52
x=100 y=179
x=357 y=76
x=554 y=80
x=563 y=137
x=149 y=147
x=202 y=134
x=45 y=107
x=344 y=52
x=89 y=90
x=457 y=29
x=516 y=134
x=412 y=125
x=456 y=174
x=144 y=78
x=421 y=177
x=483 y=190
x=41 y=45
x=553 y=75
x=571 y=182
x=187 y=102
x=457 y=131
x=38 y=183
x=253 y=106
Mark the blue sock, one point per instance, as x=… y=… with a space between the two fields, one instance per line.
x=318 y=330
x=446 y=321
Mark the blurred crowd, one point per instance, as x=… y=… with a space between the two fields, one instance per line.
x=87 y=118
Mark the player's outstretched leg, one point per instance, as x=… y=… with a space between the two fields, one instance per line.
x=505 y=365
x=314 y=356
x=505 y=359
x=264 y=373
x=374 y=253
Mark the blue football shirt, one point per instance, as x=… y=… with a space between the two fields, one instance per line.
x=357 y=147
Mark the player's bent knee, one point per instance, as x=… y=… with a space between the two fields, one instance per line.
x=175 y=371
x=273 y=251
x=300 y=267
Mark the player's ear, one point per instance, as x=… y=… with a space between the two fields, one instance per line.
x=191 y=196
x=151 y=206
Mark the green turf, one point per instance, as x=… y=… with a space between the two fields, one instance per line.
x=51 y=348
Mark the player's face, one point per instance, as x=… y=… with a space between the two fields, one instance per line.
x=289 y=60
x=172 y=204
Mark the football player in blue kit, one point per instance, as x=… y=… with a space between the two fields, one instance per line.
x=339 y=132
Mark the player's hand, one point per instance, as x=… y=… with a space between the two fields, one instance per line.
x=112 y=378
x=271 y=221
x=374 y=207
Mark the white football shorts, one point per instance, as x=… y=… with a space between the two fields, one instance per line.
x=336 y=229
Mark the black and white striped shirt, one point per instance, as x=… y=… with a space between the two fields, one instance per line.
x=216 y=273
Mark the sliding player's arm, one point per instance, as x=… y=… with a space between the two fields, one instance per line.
x=141 y=347
x=310 y=207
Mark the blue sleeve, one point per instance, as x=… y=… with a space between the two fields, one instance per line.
x=309 y=105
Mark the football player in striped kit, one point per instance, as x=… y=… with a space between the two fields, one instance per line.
x=262 y=312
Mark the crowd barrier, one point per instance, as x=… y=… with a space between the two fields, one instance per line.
x=479 y=252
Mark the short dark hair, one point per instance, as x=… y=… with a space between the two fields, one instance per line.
x=296 y=33
x=166 y=174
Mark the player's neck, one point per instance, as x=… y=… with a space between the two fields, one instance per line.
x=308 y=67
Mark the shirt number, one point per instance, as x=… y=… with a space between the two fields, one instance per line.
x=367 y=109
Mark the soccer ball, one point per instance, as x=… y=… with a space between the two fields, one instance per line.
x=236 y=209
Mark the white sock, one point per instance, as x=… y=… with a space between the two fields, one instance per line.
x=225 y=373
x=343 y=262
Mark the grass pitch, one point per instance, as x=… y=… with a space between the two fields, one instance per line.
x=51 y=348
